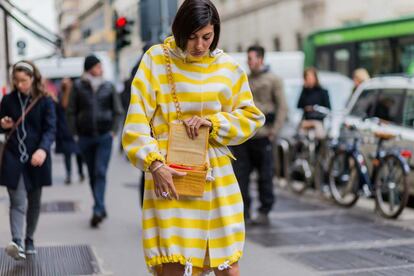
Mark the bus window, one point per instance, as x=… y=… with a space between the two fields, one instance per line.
x=375 y=56
x=408 y=116
x=406 y=55
x=341 y=61
x=323 y=60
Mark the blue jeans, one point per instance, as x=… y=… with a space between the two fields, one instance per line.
x=68 y=164
x=96 y=151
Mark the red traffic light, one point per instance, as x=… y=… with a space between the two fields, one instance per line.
x=121 y=22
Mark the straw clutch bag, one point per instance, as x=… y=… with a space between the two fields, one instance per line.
x=183 y=153
x=187 y=155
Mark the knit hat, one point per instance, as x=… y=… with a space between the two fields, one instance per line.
x=90 y=61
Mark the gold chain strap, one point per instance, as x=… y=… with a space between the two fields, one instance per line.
x=171 y=82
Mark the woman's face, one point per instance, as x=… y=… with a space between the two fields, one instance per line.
x=310 y=79
x=22 y=81
x=199 y=43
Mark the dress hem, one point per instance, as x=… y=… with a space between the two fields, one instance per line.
x=159 y=260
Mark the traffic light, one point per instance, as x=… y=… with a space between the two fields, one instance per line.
x=123 y=31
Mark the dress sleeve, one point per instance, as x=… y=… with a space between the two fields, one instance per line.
x=141 y=148
x=241 y=123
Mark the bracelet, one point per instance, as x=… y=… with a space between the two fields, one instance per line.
x=157 y=167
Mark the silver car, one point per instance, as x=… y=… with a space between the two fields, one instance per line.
x=390 y=99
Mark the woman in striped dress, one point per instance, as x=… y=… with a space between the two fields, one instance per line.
x=182 y=235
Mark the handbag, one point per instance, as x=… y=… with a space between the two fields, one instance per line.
x=183 y=153
x=14 y=128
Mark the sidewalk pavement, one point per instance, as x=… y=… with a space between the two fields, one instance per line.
x=117 y=243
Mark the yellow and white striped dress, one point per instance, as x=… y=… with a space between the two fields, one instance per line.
x=214 y=87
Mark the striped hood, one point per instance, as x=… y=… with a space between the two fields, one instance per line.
x=177 y=52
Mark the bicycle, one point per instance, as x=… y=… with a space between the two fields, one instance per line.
x=306 y=157
x=349 y=176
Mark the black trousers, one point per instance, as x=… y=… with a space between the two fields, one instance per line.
x=256 y=153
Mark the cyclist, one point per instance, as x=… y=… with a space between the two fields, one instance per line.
x=313 y=94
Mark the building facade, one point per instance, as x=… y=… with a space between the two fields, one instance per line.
x=89 y=26
x=86 y=26
x=68 y=24
x=282 y=25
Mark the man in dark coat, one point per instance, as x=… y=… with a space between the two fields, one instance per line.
x=94 y=114
x=257 y=153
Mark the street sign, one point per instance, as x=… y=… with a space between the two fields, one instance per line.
x=21 y=47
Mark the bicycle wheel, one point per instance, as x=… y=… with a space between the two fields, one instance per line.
x=343 y=179
x=321 y=172
x=299 y=171
x=321 y=179
x=391 y=188
x=299 y=176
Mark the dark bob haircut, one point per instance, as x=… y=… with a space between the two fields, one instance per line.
x=192 y=16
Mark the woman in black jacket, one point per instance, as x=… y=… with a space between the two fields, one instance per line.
x=26 y=163
x=313 y=94
x=65 y=142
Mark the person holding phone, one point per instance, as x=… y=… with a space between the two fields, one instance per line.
x=28 y=119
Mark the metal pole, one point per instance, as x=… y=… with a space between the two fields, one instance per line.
x=164 y=19
x=116 y=50
x=6 y=45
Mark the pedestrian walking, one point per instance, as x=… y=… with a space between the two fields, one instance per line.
x=94 y=114
x=65 y=143
x=28 y=120
x=257 y=153
x=188 y=77
x=313 y=94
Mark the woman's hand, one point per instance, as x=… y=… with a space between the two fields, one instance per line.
x=192 y=125
x=163 y=180
x=308 y=108
x=6 y=122
x=38 y=158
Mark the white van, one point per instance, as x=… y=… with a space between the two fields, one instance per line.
x=286 y=65
x=56 y=68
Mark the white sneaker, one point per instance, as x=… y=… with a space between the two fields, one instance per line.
x=15 y=251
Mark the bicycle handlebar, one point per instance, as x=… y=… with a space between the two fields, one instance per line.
x=321 y=109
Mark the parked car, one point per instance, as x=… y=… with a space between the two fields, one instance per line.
x=391 y=99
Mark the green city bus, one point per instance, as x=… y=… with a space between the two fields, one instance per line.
x=382 y=48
